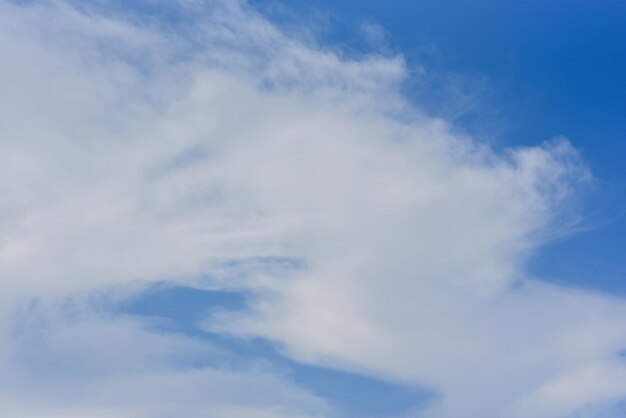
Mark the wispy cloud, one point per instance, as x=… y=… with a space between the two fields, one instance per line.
x=87 y=365
x=137 y=149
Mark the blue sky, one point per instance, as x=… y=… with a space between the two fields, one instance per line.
x=312 y=209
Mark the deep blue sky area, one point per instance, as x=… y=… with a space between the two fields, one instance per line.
x=513 y=73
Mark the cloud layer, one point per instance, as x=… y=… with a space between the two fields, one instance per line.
x=214 y=150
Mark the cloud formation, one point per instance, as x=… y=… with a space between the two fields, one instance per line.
x=138 y=150
x=91 y=365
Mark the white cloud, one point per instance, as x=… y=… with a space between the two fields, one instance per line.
x=72 y=363
x=133 y=153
